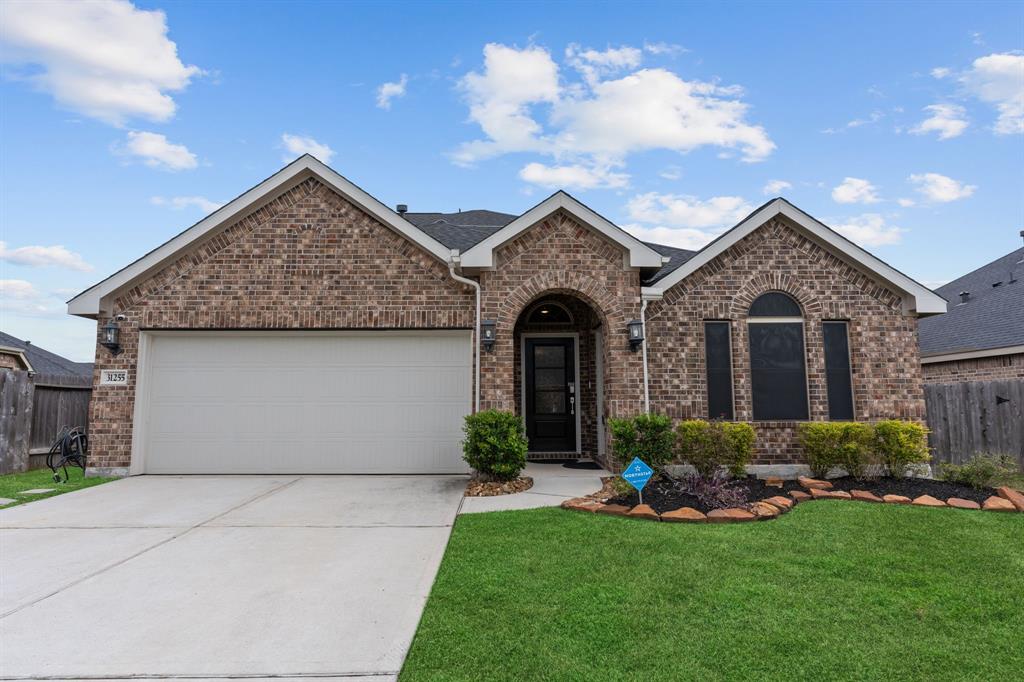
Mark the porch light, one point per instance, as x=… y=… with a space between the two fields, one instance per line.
x=636 y=334
x=111 y=332
x=487 y=328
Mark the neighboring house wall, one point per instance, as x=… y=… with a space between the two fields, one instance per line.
x=883 y=340
x=975 y=369
x=307 y=260
x=10 y=361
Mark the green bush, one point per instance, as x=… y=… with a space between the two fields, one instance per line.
x=706 y=446
x=647 y=436
x=900 y=445
x=980 y=471
x=495 y=444
x=830 y=444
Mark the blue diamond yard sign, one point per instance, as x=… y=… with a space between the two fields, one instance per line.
x=637 y=473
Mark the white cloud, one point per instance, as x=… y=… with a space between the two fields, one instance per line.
x=179 y=203
x=522 y=105
x=297 y=145
x=21 y=297
x=572 y=176
x=44 y=256
x=855 y=191
x=998 y=79
x=940 y=188
x=941 y=72
x=661 y=48
x=869 y=229
x=776 y=186
x=105 y=59
x=389 y=91
x=677 y=210
x=672 y=173
x=948 y=120
x=905 y=203
x=679 y=237
x=156 y=151
x=873 y=117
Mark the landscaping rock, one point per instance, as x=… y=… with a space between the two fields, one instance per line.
x=896 y=499
x=961 y=503
x=928 y=501
x=763 y=510
x=612 y=509
x=1015 y=497
x=819 y=494
x=684 y=515
x=477 y=488
x=865 y=496
x=784 y=504
x=581 y=504
x=799 y=496
x=813 y=483
x=773 y=481
x=998 y=504
x=731 y=515
x=643 y=511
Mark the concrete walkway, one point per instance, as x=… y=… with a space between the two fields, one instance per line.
x=222 y=576
x=552 y=484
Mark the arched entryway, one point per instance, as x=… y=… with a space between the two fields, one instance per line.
x=559 y=360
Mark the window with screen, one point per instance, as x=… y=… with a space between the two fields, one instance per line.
x=718 y=358
x=778 y=373
x=838 y=379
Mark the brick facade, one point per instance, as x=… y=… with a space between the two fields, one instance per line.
x=975 y=369
x=775 y=257
x=309 y=259
x=10 y=361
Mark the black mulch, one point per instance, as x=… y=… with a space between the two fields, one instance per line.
x=663 y=497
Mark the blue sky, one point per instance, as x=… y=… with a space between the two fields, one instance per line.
x=902 y=124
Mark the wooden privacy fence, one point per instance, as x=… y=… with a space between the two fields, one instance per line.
x=973 y=417
x=33 y=410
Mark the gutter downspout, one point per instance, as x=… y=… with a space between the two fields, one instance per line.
x=476 y=333
x=643 y=326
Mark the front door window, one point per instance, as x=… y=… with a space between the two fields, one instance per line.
x=551 y=394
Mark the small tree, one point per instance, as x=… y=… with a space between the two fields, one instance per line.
x=900 y=445
x=495 y=444
x=647 y=436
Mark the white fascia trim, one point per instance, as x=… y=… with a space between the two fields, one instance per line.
x=926 y=302
x=481 y=255
x=972 y=354
x=87 y=303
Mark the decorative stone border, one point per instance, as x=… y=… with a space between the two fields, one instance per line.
x=1005 y=500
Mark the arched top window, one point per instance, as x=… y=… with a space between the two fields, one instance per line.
x=549 y=312
x=775 y=304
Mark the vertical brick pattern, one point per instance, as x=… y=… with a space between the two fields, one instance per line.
x=883 y=341
x=975 y=369
x=307 y=260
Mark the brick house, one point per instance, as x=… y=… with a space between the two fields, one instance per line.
x=981 y=338
x=306 y=327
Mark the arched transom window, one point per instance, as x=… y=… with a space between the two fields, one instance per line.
x=778 y=373
x=549 y=312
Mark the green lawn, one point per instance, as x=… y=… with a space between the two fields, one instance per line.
x=12 y=485
x=832 y=590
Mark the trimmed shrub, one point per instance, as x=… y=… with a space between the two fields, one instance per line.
x=831 y=444
x=980 y=471
x=495 y=444
x=706 y=446
x=900 y=445
x=647 y=436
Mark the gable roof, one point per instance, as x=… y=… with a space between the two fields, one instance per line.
x=460 y=230
x=992 y=317
x=45 y=362
x=924 y=300
x=481 y=254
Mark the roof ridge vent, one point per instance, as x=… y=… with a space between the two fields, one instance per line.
x=964 y=297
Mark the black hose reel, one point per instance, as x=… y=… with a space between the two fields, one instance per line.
x=71 y=447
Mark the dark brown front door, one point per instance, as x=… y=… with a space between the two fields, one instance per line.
x=551 y=394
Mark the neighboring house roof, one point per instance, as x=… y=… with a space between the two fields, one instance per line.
x=476 y=234
x=992 y=317
x=45 y=362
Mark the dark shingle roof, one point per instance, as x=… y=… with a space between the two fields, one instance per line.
x=677 y=256
x=45 y=362
x=992 y=317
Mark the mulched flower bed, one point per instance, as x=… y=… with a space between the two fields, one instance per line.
x=491 y=488
x=663 y=497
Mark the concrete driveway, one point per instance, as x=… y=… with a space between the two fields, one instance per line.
x=216 y=576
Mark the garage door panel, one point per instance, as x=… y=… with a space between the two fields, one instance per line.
x=306 y=402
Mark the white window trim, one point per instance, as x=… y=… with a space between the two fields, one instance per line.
x=522 y=379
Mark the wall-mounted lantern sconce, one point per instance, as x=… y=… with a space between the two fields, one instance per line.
x=636 y=334
x=487 y=329
x=111 y=334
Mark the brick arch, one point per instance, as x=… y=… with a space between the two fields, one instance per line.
x=774 y=281
x=582 y=286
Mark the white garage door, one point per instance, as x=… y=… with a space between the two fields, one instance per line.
x=297 y=402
